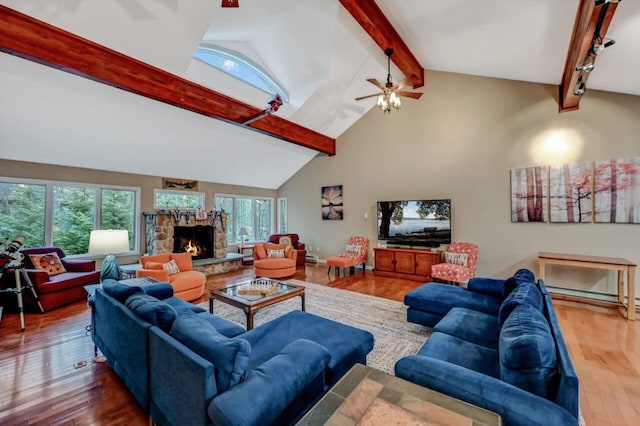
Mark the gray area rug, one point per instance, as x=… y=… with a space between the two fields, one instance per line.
x=394 y=337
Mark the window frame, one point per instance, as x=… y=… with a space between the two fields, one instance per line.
x=202 y=195
x=283 y=213
x=49 y=208
x=231 y=221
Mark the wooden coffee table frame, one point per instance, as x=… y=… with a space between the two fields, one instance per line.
x=250 y=307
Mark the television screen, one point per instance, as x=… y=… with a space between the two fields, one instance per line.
x=417 y=222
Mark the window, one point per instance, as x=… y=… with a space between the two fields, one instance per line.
x=165 y=199
x=282 y=215
x=255 y=214
x=240 y=67
x=64 y=214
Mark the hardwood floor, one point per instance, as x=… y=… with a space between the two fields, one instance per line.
x=48 y=376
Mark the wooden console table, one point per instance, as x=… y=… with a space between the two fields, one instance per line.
x=623 y=266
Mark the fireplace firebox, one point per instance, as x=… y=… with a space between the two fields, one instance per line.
x=197 y=240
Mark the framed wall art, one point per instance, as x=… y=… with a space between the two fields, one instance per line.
x=180 y=184
x=570 y=193
x=617 y=190
x=529 y=194
x=332 y=202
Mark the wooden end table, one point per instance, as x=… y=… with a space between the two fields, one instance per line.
x=251 y=303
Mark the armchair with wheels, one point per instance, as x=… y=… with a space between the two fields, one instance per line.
x=460 y=263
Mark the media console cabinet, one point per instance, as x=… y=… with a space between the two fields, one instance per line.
x=406 y=263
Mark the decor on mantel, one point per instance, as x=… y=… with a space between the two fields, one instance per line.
x=529 y=194
x=332 y=207
x=180 y=184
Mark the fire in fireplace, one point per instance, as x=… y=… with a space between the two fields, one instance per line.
x=197 y=240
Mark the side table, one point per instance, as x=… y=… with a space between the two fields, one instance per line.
x=129 y=271
x=246 y=259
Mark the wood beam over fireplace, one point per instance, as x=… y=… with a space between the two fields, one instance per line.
x=372 y=20
x=31 y=39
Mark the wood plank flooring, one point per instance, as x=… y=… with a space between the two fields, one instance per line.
x=48 y=376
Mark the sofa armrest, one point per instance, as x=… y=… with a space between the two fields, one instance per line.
x=158 y=274
x=516 y=406
x=293 y=254
x=270 y=387
x=300 y=246
x=79 y=265
x=37 y=277
x=490 y=286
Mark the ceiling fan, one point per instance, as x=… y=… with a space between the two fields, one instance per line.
x=391 y=94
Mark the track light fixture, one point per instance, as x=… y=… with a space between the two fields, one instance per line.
x=598 y=47
x=586 y=67
x=601 y=2
x=580 y=89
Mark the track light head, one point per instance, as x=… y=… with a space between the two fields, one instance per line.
x=597 y=49
x=580 y=89
x=586 y=67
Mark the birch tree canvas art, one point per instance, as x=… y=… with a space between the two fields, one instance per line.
x=570 y=192
x=529 y=194
x=617 y=190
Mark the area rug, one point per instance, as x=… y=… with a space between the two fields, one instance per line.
x=393 y=336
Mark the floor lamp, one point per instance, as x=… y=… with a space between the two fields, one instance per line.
x=109 y=242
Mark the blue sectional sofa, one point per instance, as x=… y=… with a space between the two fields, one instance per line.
x=497 y=345
x=186 y=366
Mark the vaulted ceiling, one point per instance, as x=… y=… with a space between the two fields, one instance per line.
x=316 y=50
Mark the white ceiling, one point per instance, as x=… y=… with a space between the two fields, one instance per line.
x=313 y=48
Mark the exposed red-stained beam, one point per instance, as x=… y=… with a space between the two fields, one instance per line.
x=370 y=17
x=29 y=38
x=581 y=41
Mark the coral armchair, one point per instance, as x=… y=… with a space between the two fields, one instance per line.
x=460 y=263
x=274 y=260
x=294 y=241
x=187 y=284
x=356 y=254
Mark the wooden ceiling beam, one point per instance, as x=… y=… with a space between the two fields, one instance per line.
x=31 y=39
x=591 y=22
x=372 y=20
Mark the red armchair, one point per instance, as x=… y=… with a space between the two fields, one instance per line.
x=295 y=243
x=60 y=289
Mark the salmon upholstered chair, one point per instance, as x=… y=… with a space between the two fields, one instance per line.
x=187 y=284
x=356 y=254
x=274 y=260
x=460 y=263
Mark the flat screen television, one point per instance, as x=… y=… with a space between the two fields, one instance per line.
x=415 y=222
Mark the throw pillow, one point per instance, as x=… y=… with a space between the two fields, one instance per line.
x=230 y=356
x=275 y=253
x=354 y=248
x=119 y=291
x=153 y=265
x=524 y=294
x=285 y=240
x=152 y=310
x=48 y=262
x=171 y=267
x=528 y=352
x=456 y=258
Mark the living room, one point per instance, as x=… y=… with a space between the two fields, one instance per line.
x=459 y=141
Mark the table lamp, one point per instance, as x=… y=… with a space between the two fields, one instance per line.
x=109 y=242
x=243 y=233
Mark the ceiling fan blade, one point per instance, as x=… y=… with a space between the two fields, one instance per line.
x=368 y=96
x=376 y=83
x=412 y=95
x=406 y=82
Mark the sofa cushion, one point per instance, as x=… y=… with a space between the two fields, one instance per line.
x=158 y=290
x=154 y=265
x=66 y=281
x=119 y=291
x=228 y=355
x=181 y=305
x=524 y=294
x=275 y=263
x=187 y=280
x=472 y=326
x=441 y=298
x=460 y=352
x=222 y=326
x=155 y=312
x=528 y=352
x=520 y=277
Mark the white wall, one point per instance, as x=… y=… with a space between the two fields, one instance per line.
x=460 y=142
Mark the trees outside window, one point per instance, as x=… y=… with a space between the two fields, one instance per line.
x=22 y=212
x=255 y=214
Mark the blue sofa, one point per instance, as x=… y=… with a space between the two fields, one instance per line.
x=186 y=366
x=497 y=345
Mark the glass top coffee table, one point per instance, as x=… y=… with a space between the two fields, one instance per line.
x=253 y=295
x=365 y=396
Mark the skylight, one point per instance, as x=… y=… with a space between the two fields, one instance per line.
x=240 y=67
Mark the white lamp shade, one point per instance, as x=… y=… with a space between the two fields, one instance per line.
x=243 y=232
x=108 y=241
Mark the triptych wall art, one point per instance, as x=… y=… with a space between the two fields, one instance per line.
x=603 y=192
